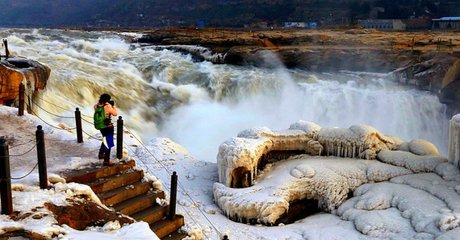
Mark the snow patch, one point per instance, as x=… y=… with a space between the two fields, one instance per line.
x=423 y=147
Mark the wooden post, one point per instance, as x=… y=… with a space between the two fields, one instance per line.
x=41 y=156
x=78 y=125
x=120 y=137
x=22 y=92
x=5 y=178
x=173 y=196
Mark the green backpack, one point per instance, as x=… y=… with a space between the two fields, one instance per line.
x=99 y=118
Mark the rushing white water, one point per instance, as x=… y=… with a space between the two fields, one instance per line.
x=199 y=104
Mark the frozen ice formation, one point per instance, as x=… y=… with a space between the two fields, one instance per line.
x=326 y=179
x=262 y=172
x=239 y=159
x=454 y=140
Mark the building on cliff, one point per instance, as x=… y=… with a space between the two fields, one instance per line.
x=311 y=24
x=383 y=24
x=446 y=23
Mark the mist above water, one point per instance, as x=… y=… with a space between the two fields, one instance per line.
x=200 y=105
x=368 y=99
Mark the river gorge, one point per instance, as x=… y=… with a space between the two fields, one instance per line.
x=165 y=92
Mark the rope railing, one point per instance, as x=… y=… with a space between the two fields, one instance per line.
x=19 y=178
x=166 y=168
x=49 y=124
x=21 y=144
x=53 y=114
x=60 y=107
x=165 y=182
x=42 y=99
x=183 y=190
x=26 y=152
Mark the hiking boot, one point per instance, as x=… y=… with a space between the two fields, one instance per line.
x=108 y=163
x=101 y=155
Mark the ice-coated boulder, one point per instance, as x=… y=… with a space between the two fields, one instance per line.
x=239 y=159
x=454 y=140
x=262 y=172
x=422 y=147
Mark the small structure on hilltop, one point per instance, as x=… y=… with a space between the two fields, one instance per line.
x=383 y=24
x=311 y=24
x=446 y=23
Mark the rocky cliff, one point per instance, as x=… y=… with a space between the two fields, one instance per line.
x=428 y=61
x=14 y=71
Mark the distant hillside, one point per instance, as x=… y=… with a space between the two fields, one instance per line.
x=236 y=13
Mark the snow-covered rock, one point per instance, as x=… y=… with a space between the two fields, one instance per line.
x=422 y=147
x=240 y=158
x=329 y=179
x=454 y=140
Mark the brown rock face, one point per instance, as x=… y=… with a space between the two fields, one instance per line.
x=450 y=91
x=14 y=233
x=428 y=73
x=81 y=215
x=14 y=71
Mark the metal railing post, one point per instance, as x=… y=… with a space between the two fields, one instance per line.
x=5 y=178
x=78 y=125
x=7 y=52
x=173 y=196
x=41 y=155
x=22 y=91
x=120 y=137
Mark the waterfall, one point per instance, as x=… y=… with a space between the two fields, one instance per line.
x=161 y=92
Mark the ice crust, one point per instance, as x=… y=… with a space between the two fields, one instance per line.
x=246 y=151
x=403 y=190
x=454 y=140
x=326 y=179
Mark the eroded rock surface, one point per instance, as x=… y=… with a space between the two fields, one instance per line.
x=239 y=159
x=14 y=71
x=350 y=161
x=82 y=214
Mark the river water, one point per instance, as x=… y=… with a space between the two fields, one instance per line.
x=200 y=104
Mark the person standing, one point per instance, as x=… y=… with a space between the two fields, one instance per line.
x=104 y=110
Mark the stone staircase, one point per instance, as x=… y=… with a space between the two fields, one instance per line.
x=122 y=188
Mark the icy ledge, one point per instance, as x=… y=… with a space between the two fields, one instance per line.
x=454 y=140
x=239 y=159
x=328 y=179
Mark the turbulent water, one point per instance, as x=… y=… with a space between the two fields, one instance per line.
x=200 y=104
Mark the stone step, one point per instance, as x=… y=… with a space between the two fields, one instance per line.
x=116 y=181
x=175 y=236
x=167 y=226
x=96 y=171
x=139 y=203
x=123 y=193
x=151 y=214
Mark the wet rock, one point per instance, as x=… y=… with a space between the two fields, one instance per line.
x=428 y=73
x=14 y=71
x=450 y=91
x=82 y=214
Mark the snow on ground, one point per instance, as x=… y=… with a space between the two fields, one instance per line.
x=197 y=179
x=327 y=179
x=401 y=195
x=62 y=152
x=421 y=205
